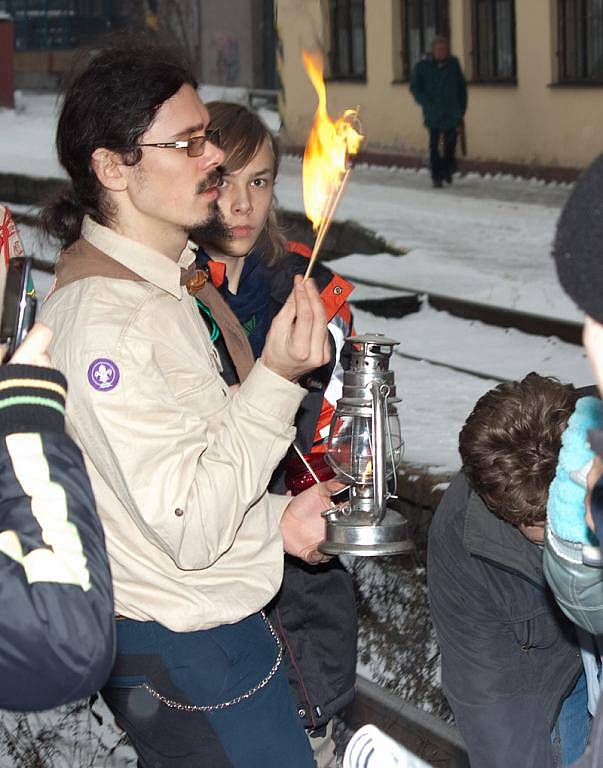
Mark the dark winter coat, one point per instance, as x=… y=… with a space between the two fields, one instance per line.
x=315 y=609
x=56 y=599
x=440 y=89
x=509 y=657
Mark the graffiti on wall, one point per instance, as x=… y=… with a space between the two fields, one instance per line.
x=225 y=49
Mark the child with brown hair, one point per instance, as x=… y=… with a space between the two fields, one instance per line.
x=510 y=659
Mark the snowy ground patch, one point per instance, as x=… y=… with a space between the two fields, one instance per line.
x=472 y=240
x=67 y=737
x=482 y=239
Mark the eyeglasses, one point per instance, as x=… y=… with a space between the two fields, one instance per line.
x=195 y=147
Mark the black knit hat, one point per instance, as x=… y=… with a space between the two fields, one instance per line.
x=578 y=247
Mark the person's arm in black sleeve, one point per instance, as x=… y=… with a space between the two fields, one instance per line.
x=56 y=601
x=417 y=85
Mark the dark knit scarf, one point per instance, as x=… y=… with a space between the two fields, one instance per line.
x=251 y=302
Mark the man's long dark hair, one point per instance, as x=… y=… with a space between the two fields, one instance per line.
x=111 y=99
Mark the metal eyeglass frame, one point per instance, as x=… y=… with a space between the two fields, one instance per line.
x=195 y=147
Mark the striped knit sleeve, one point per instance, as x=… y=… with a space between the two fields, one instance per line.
x=32 y=399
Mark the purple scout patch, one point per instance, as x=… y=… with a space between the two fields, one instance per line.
x=103 y=374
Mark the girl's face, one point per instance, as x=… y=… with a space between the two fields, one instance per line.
x=244 y=202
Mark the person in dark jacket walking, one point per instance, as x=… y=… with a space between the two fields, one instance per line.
x=438 y=86
x=254 y=269
x=56 y=600
x=511 y=667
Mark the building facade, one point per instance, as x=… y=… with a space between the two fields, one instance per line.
x=47 y=32
x=238 y=43
x=229 y=42
x=534 y=68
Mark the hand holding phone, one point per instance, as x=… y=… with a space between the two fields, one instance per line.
x=19 y=308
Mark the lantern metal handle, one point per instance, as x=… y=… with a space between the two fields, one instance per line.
x=390 y=443
x=379 y=468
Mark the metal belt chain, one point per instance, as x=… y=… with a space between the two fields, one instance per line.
x=237 y=699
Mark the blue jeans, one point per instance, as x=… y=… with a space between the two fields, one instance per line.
x=202 y=668
x=572 y=728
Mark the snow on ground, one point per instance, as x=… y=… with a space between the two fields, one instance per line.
x=498 y=353
x=435 y=403
x=476 y=240
x=27 y=135
x=432 y=415
x=396 y=641
x=72 y=736
x=436 y=400
x=482 y=239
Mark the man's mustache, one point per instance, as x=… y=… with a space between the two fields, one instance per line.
x=213 y=178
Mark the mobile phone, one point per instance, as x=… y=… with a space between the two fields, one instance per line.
x=19 y=308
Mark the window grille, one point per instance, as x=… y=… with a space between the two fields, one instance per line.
x=348 y=47
x=58 y=24
x=494 y=54
x=581 y=41
x=422 y=20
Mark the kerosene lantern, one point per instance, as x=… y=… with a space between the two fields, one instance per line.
x=365 y=448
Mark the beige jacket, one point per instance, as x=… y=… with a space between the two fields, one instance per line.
x=178 y=465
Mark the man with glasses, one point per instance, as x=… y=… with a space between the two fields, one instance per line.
x=178 y=463
x=195 y=146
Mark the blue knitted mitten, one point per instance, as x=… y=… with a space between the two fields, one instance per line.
x=567 y=492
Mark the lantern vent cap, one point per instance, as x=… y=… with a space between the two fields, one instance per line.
x=373 y=338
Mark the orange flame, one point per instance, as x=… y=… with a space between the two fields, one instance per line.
x=328 y=149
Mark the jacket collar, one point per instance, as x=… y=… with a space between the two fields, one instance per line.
x=487 y=537
x=217 y=269
x=334 y=290
x=82 y=260
x=150 y=265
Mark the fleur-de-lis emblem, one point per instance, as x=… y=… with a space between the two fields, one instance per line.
x=103 y=374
